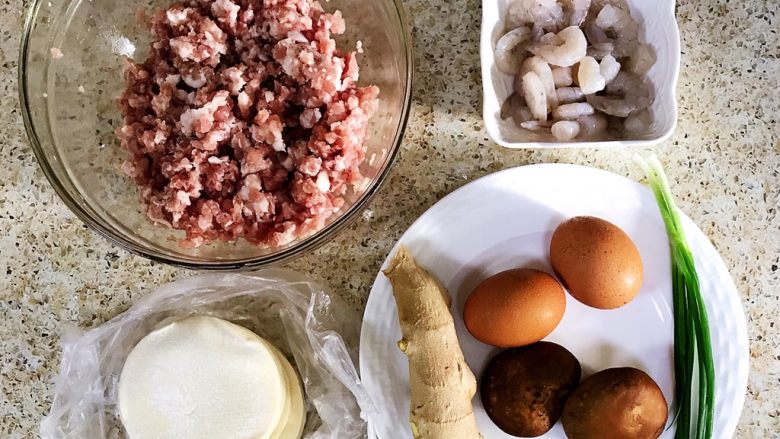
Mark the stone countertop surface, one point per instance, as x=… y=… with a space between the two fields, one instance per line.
x=723 y=161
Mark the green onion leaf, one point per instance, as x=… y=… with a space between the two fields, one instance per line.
x=695 y=407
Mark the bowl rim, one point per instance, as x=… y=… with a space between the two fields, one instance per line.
x=294 y=251
x=486 y=62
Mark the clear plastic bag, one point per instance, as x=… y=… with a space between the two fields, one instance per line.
x=318 y=330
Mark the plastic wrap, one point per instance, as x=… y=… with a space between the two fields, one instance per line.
x=314 y=328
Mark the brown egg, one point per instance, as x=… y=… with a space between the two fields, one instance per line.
x=597 y=262
x=619 y=403
x=515 y=308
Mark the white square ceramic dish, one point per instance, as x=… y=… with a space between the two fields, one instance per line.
x=659 y=28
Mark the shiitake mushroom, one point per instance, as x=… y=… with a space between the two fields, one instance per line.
x=618 y=403
x=523 y=389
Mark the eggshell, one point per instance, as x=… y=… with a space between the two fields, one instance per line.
x=515 y=308
x=597 y=261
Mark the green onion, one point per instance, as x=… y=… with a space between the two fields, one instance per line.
x=692 y=345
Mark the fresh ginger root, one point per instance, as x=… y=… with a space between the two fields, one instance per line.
x=442 y=385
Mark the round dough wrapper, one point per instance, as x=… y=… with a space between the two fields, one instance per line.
x=294 y=415
x=201 y=377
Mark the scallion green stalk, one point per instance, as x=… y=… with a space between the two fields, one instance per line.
x=695 y=407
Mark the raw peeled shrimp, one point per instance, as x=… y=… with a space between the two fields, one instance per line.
x=624 y=48
x=577 y=11
x=589 y=76
x=507 y=58
x=609 y=68
x=569 y=95
x=600 y=50
x=550 y=38
x=626 y=94
x=536 y=125
x=592 y=124
x=641 y=60
x=570 y=52
x=573 y=111
x=597 y=5
x=562 y=77
x=515 y=108
x=543 y=14
x=619 y=21
x=535 y=97
x=638 y=123
x=542 y=69
x=522 y=114
x=625 y=83
x=624 y=107
x=595 y=34
x=565 y=130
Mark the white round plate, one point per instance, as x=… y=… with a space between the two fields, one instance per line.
x=505 y=220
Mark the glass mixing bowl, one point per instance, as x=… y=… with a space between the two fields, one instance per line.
x=70 y=117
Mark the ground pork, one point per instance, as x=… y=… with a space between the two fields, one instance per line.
x=245 y=121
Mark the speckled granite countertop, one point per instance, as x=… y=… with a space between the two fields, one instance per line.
x=723 y=159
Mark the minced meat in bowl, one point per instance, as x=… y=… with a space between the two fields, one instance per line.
x=216 y=133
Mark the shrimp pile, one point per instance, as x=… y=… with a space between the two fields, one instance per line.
x=579 y=68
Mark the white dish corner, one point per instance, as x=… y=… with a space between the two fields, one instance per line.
x=660 y=30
